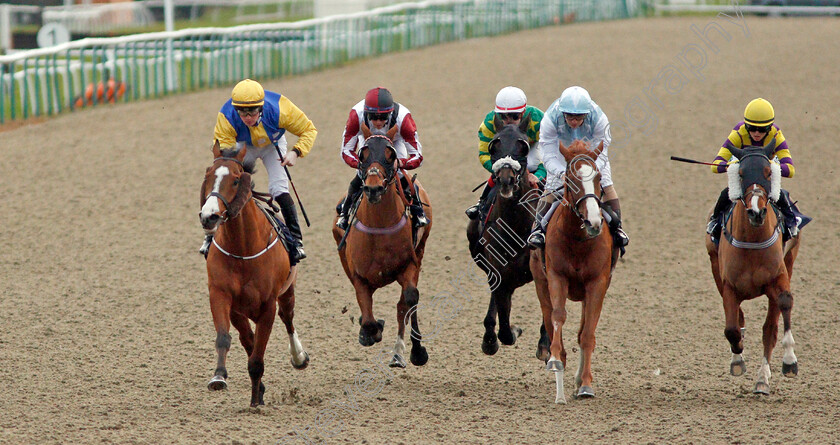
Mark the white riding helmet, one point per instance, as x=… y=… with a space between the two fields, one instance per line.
x=510 y=100
x=575 y=100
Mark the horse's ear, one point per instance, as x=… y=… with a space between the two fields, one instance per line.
x=391 y=133
x=365 y=131
x=770 y=148
x=737 y=152
x=240 y=155
x=217 y=150
x=525 y=123
x=497 y=122
x=564 y=151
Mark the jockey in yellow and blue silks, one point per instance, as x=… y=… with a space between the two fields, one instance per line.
x=574 y=115
x=511 y=107
x=258 y=119
x=757 y=129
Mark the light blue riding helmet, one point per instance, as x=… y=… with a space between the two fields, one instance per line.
x=575 y=100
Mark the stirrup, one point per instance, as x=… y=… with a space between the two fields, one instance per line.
x=472 y=212
x=711 y=228
x=299 y=253
x=205 y=247
x=420 y=221
x=622 y=236
x=342 y=222
x=536 y=240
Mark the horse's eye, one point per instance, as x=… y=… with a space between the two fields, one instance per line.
x=235 y=182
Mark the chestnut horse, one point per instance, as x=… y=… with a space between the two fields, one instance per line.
x=248 y=272
x=379 y=248
x=577 y=264
x=752 y=261
x=498 y=245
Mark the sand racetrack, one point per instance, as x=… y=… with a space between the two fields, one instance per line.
x=105 y=328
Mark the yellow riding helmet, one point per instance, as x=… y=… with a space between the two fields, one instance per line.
x=248 y=93
x=759 y=113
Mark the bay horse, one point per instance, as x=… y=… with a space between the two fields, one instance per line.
x=248 y=270
x=380 y=248
x=751 y=260
x=497 y=244
x=576 y=264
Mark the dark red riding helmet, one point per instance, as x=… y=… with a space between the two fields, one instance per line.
x=379 y=100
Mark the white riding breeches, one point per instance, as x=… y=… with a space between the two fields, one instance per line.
x=278 y=181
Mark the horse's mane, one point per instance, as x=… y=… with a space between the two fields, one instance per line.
x=249 y=165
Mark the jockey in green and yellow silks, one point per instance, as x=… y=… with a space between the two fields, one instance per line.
x=511 y=107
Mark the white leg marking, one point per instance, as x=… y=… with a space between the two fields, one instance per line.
x=788 y=343
x=579 y=373
x=399 y=347
x=296 y=349
x=764 y=372
x=556 y=366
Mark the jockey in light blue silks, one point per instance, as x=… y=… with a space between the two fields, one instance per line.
x=575 y=116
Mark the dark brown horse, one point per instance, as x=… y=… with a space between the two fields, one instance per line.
x=248 y=270
x=497 y=244
x=751 y=260
x=578 y=262
x=380 y=249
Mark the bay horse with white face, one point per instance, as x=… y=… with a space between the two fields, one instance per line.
x=248 y=271
x=579 y=259
x=752 y=260
x=497 y=245
x=380 y=247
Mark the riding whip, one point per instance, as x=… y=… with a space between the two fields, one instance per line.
x=288 y=175
x=692 y=161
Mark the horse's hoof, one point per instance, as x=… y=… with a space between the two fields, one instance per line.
x=585 y=392
x=489 y=345
x=397 y=361
x=217 y=383
x=419 y=356
x=790 y=370
x=543 y=353
x=554 y=366
x=509 y=338
x=366 y=340
x=304 y=364
x=762 y=388
x=737 y=368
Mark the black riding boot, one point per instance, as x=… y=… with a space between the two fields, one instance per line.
x=620 y=237
x=287 y=207
x=416 y=207
x=791 y=225
x=536 y=240
x=723 y=203
x=475 y=211
x=344 y=208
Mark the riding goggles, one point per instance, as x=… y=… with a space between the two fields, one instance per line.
x=378 y=116
x=751 y=128
x=248 y=111
x=510 y=116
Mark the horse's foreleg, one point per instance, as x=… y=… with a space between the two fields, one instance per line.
x=490 y=343
x=770 y=333
x=256 y=365
x=220 y=308
x=790 y=367
x=408 y=281
x=246 y=334
x=398 y=354
x=558 y=289
x=734 y=316
x=592 y=304
x=507 y=332
x=546 y=332
x=370 y=330
x=286 y=311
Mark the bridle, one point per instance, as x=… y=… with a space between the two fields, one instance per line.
x=585 y=196
x=226 y=216
x=364 y=168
